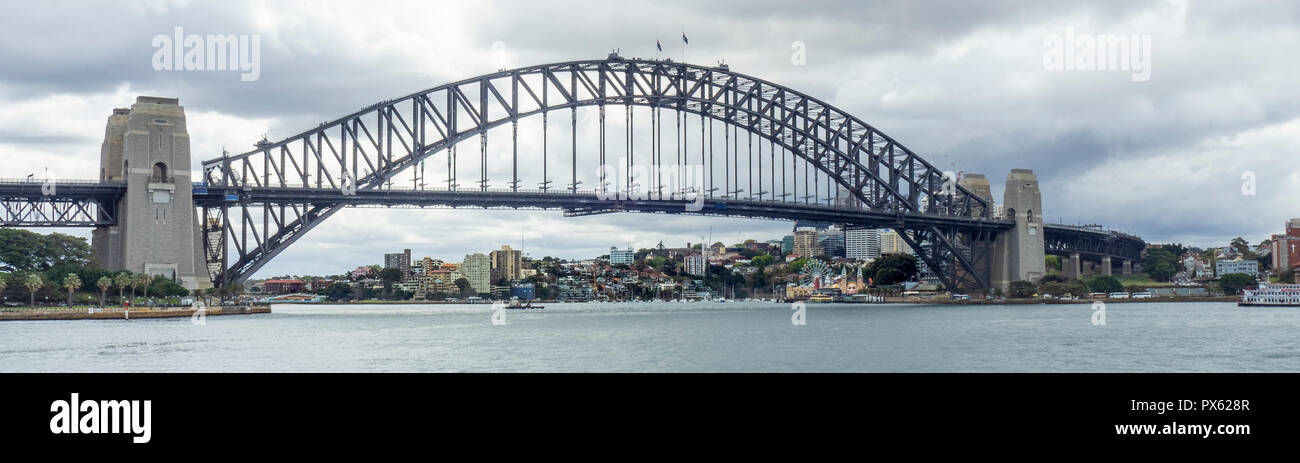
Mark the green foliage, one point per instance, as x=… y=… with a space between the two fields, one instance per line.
x=891 y=269
x=1233 y=283
x=1104 y=284
x=338 y=291
x=1021 y=289
x=1053 y=262
x=1287 y=276
x=1162 y=263
x=1054 y=278
x=762 y=260
x=164 y=287
x=1055 y=288
x=796 y=265
x=1163 y=271
x=22 y=250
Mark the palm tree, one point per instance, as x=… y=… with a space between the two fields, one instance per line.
x=34 y=283
x=143 y=280
x=72 y=283
x=104 y=284
x=122 y=281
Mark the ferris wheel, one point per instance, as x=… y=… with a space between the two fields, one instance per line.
x=816 y=273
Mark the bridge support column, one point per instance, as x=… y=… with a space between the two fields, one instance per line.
x=1106 y=266
x=1073 y=266
x=1127 y=266
x=148 y=147
x=1019 y=253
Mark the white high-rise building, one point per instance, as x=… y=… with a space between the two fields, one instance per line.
x=862 y=244
x=617 y=256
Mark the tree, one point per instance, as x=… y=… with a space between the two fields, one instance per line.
x=143 y=280
x=1055 y=288
x=338 y=291
x=891 y=269
x=34 y=283
x=1021 y=289
x=1286 y=276
x=166 y=287
x=122 y=281
x=72 y=283
x=762 y=260
x=466 y=289
x=4 y=283
x=1233 y=283
x=1163 y=271
x=1052 y=262
x=1054 y=278
x=1240 y=245
x=1161 y=263
x=104 y=284
x=388 y=276
x=1105 y=284
x=22 y=250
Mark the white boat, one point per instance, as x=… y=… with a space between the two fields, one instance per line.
x=1270 y=295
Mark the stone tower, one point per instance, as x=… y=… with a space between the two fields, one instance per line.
x=148 y=147
x=1019 y=252
x=979 y=185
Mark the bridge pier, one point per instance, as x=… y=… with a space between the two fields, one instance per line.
x=148 y=147
x=1127 y=267
x=1106 y=266
x=1019 y=253
x=1072 y=266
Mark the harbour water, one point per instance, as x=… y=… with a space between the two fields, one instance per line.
x=674 y=337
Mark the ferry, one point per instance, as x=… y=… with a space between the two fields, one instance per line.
x=1269 y=295
x=516 y=304
x=820 y=298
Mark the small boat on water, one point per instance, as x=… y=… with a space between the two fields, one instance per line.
x=1270 y=295
x=516 y=304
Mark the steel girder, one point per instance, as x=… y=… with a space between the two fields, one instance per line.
x=1092 y=243
x=59 y=204
x=392 y=136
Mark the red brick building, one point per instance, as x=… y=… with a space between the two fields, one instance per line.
x=284 y=286
x=1286 y=247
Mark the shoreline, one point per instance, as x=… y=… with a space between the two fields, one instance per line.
x=888 y=300
x=119 y=313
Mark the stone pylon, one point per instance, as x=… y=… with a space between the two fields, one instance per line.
x=1019 y=253
x=148 y=147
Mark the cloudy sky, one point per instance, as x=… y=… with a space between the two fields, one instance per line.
x=968 y=85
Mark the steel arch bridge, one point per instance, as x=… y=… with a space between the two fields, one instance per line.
x=846 y=164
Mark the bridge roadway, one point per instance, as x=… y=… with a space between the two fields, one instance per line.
x=81 y=203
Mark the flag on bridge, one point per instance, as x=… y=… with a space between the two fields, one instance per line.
x=684 y=38
x=659 y=45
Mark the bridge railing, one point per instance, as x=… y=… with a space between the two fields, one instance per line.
x=60 y=181
x=1094 y=228
x=641 y=195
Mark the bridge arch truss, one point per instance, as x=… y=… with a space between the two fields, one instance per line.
x=846 y=162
